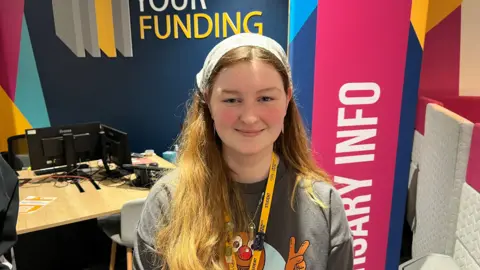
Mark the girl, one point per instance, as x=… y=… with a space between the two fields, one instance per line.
x=247 y=193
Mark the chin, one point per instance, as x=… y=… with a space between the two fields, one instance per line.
x=248 y=149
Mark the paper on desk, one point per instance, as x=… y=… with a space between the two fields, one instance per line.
x=138 y=161
x=135 y=161
x=32 y=203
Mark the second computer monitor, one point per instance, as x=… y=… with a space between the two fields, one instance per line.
x=63 y=145
x=117 y=149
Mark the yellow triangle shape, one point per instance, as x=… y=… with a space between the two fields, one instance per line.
x=439 y=10
x=12 y=119
x=418 y=18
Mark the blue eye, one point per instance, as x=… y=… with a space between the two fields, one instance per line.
x=230 y=100
x=266 y=99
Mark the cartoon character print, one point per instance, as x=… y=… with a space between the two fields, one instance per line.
x=270 y=258
x=295 y=258
x=242 y=247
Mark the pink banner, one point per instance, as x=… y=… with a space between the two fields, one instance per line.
x=359 y=73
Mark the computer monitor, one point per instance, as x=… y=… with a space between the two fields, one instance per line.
x=116 y=150
x=63 y=147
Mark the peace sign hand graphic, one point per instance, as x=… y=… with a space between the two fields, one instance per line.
x=295 y=259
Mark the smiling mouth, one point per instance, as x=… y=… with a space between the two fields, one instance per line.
x=250 y=133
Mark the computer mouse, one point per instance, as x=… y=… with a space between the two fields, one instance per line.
x=153 y=164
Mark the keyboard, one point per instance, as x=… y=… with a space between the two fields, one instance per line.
x=57 y=169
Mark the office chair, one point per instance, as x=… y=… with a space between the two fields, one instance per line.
x=121 y=229
x=17 y=156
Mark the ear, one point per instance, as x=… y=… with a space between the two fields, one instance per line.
x=206 y=99
x=205 y=96
x=289 y=94
x=289 y=97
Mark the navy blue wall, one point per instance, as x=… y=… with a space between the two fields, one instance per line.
x=144 y=95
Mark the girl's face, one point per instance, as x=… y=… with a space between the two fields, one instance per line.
x=248 y=104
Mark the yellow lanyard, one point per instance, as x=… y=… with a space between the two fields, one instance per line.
x=262 y=228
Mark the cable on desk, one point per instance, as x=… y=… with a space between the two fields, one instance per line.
x=73 y=178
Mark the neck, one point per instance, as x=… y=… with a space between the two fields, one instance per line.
x=248 y=169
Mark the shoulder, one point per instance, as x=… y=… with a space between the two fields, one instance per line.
x=157 y=205
x=327 y=199
x=161 y=191
x=6 y=173
x=8 y=181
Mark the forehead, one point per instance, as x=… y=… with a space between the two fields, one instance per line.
x=248 y=76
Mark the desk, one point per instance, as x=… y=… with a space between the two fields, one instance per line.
x=72 y=206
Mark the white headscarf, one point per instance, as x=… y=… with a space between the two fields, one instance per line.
x=235 y=41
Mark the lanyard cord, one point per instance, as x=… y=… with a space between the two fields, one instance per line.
x=258 y=244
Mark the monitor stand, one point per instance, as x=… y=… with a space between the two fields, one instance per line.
x=78 y=172
x=72 y=167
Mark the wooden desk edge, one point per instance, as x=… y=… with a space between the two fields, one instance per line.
x=65 y=222
x=162 y=163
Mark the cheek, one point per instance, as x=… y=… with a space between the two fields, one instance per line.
x=225 y=117
x=229 y=116
x=273 y=116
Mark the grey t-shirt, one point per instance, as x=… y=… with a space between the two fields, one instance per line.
x=320 y=238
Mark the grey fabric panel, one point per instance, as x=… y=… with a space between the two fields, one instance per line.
x=444 y=156
x=417 y=146
x=467 y=248
x=412 y=196
x=430 y=262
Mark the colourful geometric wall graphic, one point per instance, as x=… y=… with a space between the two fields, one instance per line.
x=441 y=58
x=301 y=51
x=439 y=10
x=122 y=28
x=94 y=26
x=68 y=28
x=418 y=18
x=300 y=11
x=11 y=13
x=12 y=119
x=451 y=57
x=88 y=23
x=29 y=95
x=106 y=36
x=21 y=95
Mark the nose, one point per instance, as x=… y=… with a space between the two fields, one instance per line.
x=249 y=115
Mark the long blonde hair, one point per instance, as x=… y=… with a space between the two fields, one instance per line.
x=194 y=236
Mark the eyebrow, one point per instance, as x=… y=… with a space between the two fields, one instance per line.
x=233 y=91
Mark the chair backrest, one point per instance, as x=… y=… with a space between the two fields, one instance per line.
x=129 y=218
x=473 y=170
x=18 y=152
x=422 y=112
x=444 y=156
x=467 y=243
x=415 y=158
